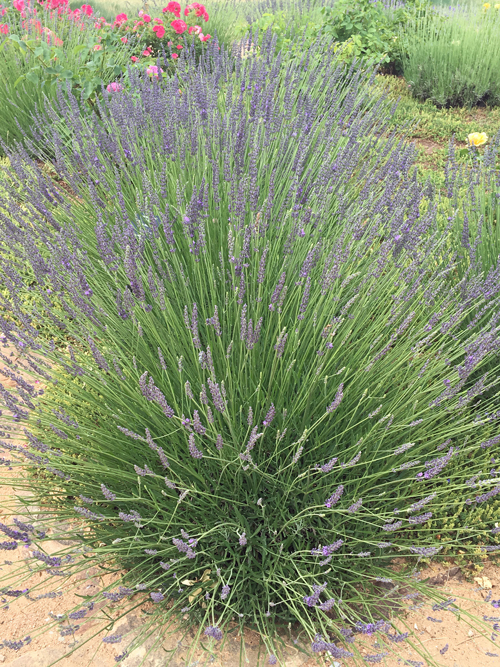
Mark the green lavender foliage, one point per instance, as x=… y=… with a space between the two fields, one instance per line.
x=271 y=196
x=455 y=61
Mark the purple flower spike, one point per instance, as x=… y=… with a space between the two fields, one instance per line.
x=338 y=398
x=225 y=591
x=271 y=414
x=193 y=450
x=212 y=631
x=157 y=597
x=333 y=499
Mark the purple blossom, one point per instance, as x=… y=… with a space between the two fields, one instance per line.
x=355 y=506
x=334 y=498
x=415 y=507
x=193 y=450
x=327 y=550
x=427 y=552
x=327 y=467
x=243 y=540
x=312 y=600
x=391 y=527
x=212 y=631
x=197 y=425
x=328 y=605
x=319 y=645
x=338 y=398
x=422 y=518
x=157 y=596
x=280 y=344
x=109 y=495
x=112 y=639
x=271 y=413
x=226 y=589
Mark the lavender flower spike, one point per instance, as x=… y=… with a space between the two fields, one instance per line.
x=338 y=398
x=333 y=499
x=271 y=413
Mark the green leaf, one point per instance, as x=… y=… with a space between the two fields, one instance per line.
x=33 y=77
x=79 y=48
x=18 y=81
x=66 y=74
x=88 y=89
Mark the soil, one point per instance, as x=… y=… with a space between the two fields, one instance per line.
x=469 y=640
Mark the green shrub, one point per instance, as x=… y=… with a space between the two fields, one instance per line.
x=272 y=386
x=453 y=62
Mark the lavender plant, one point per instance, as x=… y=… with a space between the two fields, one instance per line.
x=472 y=193
x=259 y=381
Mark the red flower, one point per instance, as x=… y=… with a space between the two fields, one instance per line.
x=159 y=30
x=179 y=26
x=174 y=8
x=179 y=46
x=175 y=55
x=4 y=29
x=134 y=59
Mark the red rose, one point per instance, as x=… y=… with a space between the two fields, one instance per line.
x=159 y=30
x=179 y=26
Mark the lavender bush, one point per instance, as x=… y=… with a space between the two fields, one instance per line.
x=260 y=385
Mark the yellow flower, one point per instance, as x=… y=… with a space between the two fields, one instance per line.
x=477 y=138
x=486 y=5
x=497 y=6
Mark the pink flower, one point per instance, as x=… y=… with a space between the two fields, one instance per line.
x=146 y=53
x=179 y=26
x=159 y=30
x=124 y=40
x=153 y=70
x=19 y=5
x=4 y=29
x=175 y=55
x=179 y=46
x=195 y=28
x=146 y=18
x=134 y=59
x=87 y=9
x=159 y=21
x=114 y=87
x=121 y=17
x=205 y=38
x=98 y=47
x=174 y=8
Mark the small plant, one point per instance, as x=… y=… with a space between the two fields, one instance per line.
x=453 y=62
x=261 y=384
